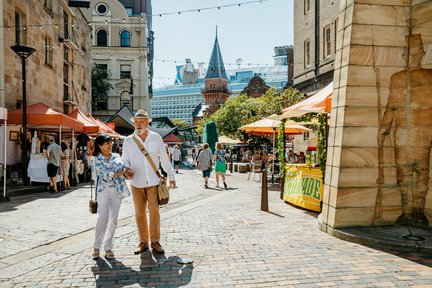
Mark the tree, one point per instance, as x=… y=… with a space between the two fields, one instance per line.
x=180 y=123
x=242 y=110
x=100 y=87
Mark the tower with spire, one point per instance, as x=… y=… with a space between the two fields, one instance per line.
x=215 y=91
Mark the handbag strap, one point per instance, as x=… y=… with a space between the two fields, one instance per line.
x=147 y=155
x=91 y=189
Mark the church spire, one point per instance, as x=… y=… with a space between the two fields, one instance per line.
x=216 y=68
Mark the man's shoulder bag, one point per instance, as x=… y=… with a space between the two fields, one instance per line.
x=163 y=189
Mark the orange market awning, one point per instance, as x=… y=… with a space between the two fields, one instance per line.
x=103 y=128
x=318 y=103
x=89 y=125
x=40 y=114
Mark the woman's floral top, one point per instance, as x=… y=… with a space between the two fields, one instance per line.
x=103 y=170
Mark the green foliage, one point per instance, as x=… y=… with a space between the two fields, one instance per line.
x=100 y=86
x=281 y=149
x=180 y=123
x=242 y=110
x=322 y=142
x=210 y=135
x=274 y=100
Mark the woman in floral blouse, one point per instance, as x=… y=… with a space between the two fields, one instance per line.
x=108 y=172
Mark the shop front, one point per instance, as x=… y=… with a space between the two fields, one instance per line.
x=304 y=186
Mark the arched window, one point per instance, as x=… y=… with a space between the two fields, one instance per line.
x=125 y=39
x=102 y=39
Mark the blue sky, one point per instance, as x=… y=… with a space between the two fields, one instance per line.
x=249 y=32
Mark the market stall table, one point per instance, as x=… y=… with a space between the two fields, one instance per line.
x=37 y=169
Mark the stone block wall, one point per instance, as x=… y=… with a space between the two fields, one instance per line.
x=362 y=187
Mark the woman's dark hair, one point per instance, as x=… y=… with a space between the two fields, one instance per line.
x=63 y=146
x=100 y=140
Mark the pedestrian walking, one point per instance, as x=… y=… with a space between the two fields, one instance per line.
x=205 y=163
x=65 y=165
x=144 y=180
x=176 y=157
x=53 y=154
x=220 y=166
x=108 y=171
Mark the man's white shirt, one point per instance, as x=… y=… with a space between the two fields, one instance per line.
x=144 y=175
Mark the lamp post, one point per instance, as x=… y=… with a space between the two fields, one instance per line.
x=24 y=52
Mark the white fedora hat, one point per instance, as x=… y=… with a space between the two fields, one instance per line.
x=141 y=113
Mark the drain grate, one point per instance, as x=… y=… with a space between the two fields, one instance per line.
x=414 y=238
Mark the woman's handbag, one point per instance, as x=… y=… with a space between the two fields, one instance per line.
x=163 y=189
x=93 y=205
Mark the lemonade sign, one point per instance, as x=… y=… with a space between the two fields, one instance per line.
x=303 y=187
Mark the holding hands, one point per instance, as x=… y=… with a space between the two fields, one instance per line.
x=129 y=173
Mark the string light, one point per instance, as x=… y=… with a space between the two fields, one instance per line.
x=205 y=62
x=123 y=20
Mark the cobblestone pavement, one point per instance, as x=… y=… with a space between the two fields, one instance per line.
x=46 y=241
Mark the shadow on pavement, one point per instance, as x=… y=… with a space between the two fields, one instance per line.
x=16 y=201
x=155 y=270
x=270 y=212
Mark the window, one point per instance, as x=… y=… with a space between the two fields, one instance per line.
x=103 y=67
x=66 y=54
x=326 y=42
x=66 y=95
x=306 y=53
x=102 y=39
x=125 y=38
x=19 y=28
x=306 y=6
x=48 y=51
x=335 y=33
x=66 y=25
x=48 y=6
x=129 y=11
x=102 y=9
x=125 y=71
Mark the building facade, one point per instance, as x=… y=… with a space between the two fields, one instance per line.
x=315 y=27
x=123 y=46
x=58 y=73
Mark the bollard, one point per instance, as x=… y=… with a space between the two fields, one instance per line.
x=264 y=191
x=232 y=165
x=282 y=183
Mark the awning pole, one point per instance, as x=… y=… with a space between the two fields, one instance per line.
x=4 y=160
x=73 y=154
x=60 y=137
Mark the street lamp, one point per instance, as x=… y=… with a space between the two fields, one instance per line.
x=24 y=52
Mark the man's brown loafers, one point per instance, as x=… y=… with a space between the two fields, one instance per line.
x=142 y=247
x=157 y=247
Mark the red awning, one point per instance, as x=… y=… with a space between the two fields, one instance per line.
x=171 y=138
x=89 y=125
x=40 y=114
x=103 y=128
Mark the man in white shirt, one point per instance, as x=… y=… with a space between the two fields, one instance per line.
x=176 y=157
x=144 y=180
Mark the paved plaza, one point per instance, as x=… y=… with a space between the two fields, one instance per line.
x=46 y=241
